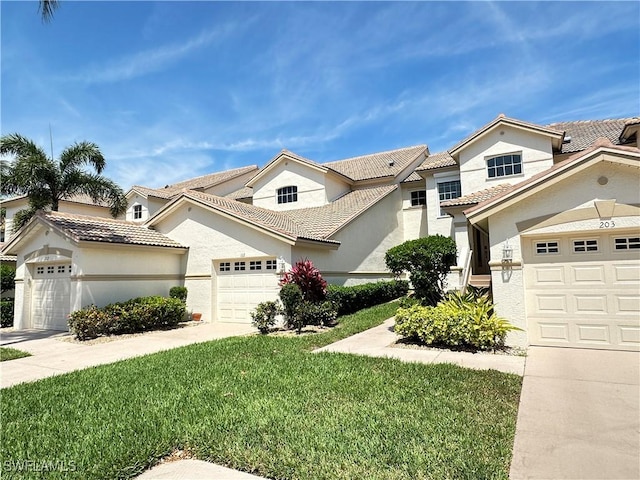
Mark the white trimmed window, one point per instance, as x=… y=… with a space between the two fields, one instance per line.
x=546 y=248
x=239 y=266
x=504 y=165
x=448 y=191
x=225 y=266
x=271 y=264
x=288 y=194
x=137 y=212
x=627 y=243
x=418 y=198
x=583 y=246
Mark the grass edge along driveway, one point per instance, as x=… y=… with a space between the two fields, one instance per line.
x=265 y=405
x=7 y=354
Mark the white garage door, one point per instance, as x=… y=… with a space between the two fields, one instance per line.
x=241 y=285
x=583 y=290
x=50 y=296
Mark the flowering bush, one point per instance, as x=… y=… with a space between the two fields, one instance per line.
x=308 y=278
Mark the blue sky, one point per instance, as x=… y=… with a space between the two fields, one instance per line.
x=173 y=90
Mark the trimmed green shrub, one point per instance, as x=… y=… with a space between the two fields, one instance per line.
x=6 y=312
x=291 y=297
x=428 y=261
x=317 y=313
x=264 y=316
x=7 y=278
x=351 y=299
x=459 y=321
x=308 y=278
x=178 y=292
x=135 y=315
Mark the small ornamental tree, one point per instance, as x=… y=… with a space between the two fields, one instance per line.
x=7 y=278
x=428 y=261
x=308 y=278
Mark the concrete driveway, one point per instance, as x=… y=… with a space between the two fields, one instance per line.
x=579 y=415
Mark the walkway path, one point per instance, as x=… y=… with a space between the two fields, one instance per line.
x=376 y=342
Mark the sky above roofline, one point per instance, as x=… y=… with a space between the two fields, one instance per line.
x=174 y=90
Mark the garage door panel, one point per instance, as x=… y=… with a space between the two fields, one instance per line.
x=629 y=304
x=588 y=274
x=552 y=275
x=583 y=299
x=626 y=273
x=550 y=304
x=593 y=334
x=590 y=304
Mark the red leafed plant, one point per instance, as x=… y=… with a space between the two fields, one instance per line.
x=308 y=278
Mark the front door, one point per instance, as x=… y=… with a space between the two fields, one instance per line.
x=480 y=247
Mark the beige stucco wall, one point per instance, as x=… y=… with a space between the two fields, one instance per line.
x=574 y=193
x=364 y=242
x=231 y=185
x=212 y=237
x=414 y=219
x=536 y=156
x=314 y=187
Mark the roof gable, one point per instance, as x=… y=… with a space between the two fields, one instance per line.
x=285 y=156
x=501 y=120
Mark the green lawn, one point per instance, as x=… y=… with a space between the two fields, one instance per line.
x=267 y=406
x=7 y=353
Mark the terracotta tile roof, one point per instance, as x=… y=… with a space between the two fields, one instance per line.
x=477 y=197
x=270 y=219
x=326 y=220
x=584 y=133
x=377 y=165
x=207 y=181
x=105 y=230
x=244 y=192
x=437 y=160
x=203 y=182
x=414 y=177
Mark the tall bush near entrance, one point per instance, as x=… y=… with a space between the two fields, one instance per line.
x=428 y=261
x=308 y=278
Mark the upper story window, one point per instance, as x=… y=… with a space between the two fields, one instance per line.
x=137 y=212
x=448 y=191
x=418 y=197
x=504 y=165
x=288 y=194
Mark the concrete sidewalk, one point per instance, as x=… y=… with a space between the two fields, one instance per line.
x=579 y=415
x=53 y=356
x=376 y=342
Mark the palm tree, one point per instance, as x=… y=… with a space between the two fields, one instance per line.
x=46 y=8
x=46 y=181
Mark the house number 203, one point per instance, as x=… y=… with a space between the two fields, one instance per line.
x=607 y=224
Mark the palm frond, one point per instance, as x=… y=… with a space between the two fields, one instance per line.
x=82 y=153
x=46 y=9
x=99 y=188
